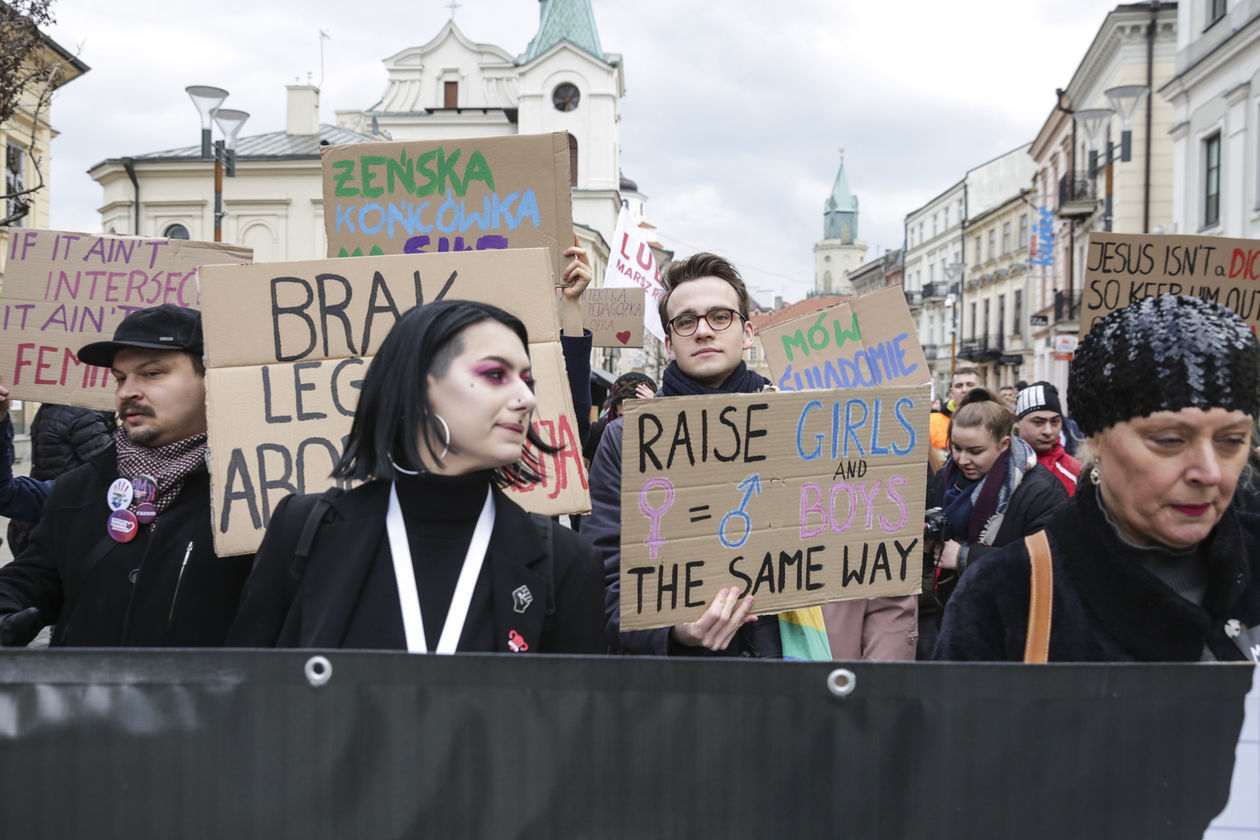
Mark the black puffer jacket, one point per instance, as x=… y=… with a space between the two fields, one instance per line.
x=63 y=437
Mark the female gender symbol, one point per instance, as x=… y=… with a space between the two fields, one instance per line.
x=654 y=540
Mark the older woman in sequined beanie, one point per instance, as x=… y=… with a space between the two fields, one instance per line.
x=1151 y=560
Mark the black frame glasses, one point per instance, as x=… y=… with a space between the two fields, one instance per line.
x=685 y=331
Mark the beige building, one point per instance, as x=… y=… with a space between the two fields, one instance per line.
x=1135 y=46
x=996 y=336
x=27 y=142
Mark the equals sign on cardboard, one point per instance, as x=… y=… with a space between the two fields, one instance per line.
x=697 y=514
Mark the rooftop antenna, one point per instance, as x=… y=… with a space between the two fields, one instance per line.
x=323 y=36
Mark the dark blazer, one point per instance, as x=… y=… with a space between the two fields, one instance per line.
x=164 y=588
x=349 y=582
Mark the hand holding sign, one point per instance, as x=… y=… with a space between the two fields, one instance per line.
x=576 y=277
x=720 y=622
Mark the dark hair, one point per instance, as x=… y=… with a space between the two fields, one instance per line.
x=394 y=410
x=695 y=267
x=980 y=408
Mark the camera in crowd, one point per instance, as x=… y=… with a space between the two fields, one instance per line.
x=935 y=527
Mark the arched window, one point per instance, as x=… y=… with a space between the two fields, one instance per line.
x=176 y=231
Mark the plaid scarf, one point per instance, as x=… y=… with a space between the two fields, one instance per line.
x=169 y=465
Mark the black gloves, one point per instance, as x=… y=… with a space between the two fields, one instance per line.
x=19 y=628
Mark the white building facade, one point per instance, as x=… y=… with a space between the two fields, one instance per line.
x=1215 y=95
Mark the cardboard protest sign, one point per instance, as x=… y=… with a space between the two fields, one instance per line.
x=863 y=343
x=64 y=290
x=1121 y=268
x=614 y=316
x=439 y=196
x=288 y=345
x=633 y=265
x=797 y=499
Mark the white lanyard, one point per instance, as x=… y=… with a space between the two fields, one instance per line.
x=405 y=574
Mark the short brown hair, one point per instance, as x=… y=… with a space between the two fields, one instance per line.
x=693 y=268
x=980 y=408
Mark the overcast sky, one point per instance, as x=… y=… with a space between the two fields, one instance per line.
x=733 y=117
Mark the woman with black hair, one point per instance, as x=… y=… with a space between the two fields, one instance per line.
x=429 y=554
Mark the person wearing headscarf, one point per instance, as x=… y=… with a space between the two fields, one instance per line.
x=1150 y=559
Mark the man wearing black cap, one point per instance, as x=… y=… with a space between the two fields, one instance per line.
x=1040 y=422
x=123 y=552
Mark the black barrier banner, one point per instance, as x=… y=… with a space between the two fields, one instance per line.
x=277 y=744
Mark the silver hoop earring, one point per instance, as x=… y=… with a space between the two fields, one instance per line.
x=446 y=430
x=1094 y=475
x=397 y=468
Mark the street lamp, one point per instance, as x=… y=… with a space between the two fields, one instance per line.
x=1125 y=100
x=208 y=100
x=953 y=272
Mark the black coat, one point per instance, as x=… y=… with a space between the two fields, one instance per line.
x=1106 y=606
x=64 y=437
x=1029 y=510
x=348 y=597
x=140 y=593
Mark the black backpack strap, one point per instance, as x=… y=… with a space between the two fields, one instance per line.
x=548 y=568
x=307 y=538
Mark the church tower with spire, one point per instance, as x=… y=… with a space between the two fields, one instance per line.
x=839 y=251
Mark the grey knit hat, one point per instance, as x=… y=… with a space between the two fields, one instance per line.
x=1164 y=353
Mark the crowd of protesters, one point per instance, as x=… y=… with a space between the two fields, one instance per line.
x=1139 y=503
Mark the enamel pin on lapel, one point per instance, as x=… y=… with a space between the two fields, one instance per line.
x=516 y=642
x=521 y=598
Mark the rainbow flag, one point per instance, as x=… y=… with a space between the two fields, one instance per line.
x=804 y=635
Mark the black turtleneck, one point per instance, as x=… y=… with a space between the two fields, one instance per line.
x=440 y=514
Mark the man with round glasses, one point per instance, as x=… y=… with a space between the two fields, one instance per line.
x=705 y=315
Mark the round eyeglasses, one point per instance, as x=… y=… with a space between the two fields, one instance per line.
x=718 y=319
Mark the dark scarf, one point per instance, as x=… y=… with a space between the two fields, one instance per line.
x=1143 y=614
x=959 y=506
x=675 y=383
x=169 y=464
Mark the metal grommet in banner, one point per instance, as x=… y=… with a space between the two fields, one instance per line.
x=841 y=682
x=318 y=670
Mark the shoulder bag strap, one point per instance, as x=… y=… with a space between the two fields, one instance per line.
x=1040 y=596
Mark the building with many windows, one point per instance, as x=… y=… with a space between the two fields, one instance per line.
x=1134 y=48
x=1215 y=96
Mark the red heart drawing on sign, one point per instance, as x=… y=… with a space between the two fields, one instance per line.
x=623 y=337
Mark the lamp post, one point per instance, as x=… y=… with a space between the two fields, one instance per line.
x=1125 y=100
x=208 y=100
x=953 y=273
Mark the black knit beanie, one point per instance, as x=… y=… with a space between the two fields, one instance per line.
x=1039 y=396
x=1163 y=353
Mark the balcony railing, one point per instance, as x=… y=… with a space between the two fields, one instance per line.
x=935 y=291
x=981 y=349
x=933 y=351
x=913 y=296
x=1076 y=194
x=1067 y=305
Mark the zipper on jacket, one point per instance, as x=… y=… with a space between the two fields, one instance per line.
x=170 y=619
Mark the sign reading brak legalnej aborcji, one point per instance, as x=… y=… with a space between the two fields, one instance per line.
x=866 y=342
x=288 y=345
x=1121 y=268
x=797 y=499
x=444 y=196
x=64 y=290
